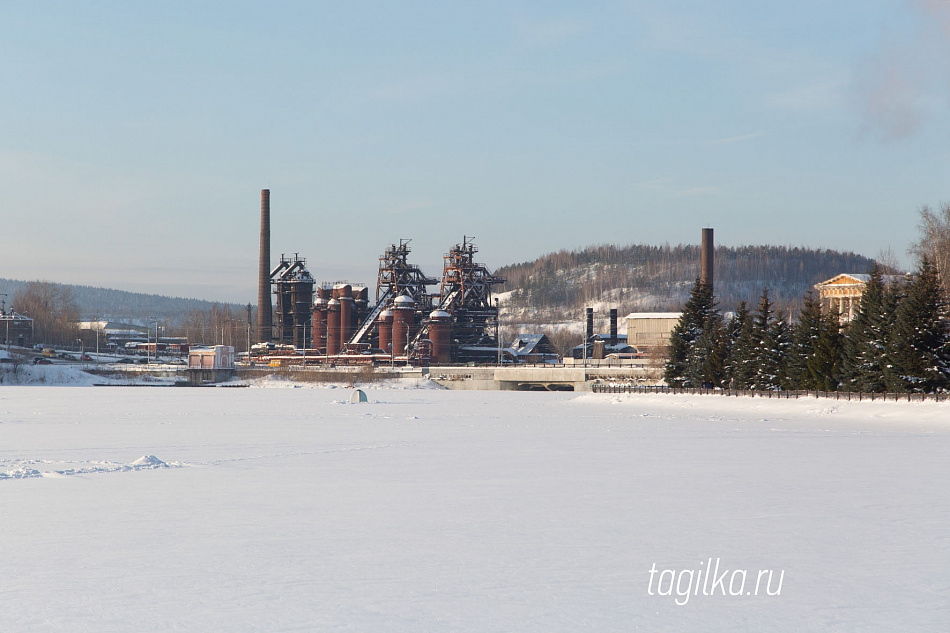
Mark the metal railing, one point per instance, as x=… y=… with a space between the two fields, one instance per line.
x=857 y=396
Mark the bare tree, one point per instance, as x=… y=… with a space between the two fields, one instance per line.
x=887 y=258
x=53 y=309
x=934 y=243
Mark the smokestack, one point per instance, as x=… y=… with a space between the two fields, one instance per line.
x=613 y=326
x=708 y=257
x=265 y=330
x=590 y=324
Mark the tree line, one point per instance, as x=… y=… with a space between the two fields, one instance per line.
x=898 y=341
x=55 y=311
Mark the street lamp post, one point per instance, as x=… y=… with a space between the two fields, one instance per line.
x=148 y=342
x=498 y=328
x=585 y=344
x=3 y=311
x=97 y=340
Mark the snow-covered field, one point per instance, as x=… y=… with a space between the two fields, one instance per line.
x=158 y=509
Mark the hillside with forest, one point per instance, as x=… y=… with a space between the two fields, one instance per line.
x=95 y=302
x=645 y=278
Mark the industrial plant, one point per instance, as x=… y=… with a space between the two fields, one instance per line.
x=415 y=319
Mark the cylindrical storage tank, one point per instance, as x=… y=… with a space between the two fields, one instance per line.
x=333 y=327
x=320 y=325
x=385 y=330
x=440 y=331
x=403 y=317
x=346 y=317
x=598 y=350
x=361 y=306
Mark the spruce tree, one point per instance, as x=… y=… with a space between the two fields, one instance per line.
x=865 y=347
x=782 y=335
x=766 y=346
x=733 y=333
x=919 y=342
x=743 y=363
x=804 y=341
x=695 y=319
x=706 y=362
x=824 y=366
x=814 y=356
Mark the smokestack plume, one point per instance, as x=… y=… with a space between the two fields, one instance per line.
x=265 y=330
x=708 y=257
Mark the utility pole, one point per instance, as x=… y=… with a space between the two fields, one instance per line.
x=3 y=312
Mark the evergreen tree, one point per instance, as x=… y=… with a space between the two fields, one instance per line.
x=733 y=333
x=919 y=342
x=782 y=335
x=865 y=346
x=696 y=317
x=824 y=366
x=743 y=363
x=766 y=346
x=706 y=362
x=804 y=341
x=814 y=356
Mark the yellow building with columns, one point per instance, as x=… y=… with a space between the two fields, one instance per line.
x=844 y=292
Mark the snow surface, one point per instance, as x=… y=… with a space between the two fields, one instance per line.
x=426 y=510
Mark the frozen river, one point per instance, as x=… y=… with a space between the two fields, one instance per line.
x=152 y=509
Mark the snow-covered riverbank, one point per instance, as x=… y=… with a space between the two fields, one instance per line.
x=292 y=509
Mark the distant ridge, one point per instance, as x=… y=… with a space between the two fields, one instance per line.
x=118 y=304
x=642 y=277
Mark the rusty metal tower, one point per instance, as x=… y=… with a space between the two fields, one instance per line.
x=397 y=277
x=293 y=286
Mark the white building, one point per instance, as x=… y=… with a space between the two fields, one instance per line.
x=215 y=357
x=651 y=329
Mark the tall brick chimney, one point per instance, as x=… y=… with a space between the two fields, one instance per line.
x=265 y=330
x=708 y=256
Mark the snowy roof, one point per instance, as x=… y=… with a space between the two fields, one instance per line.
x=654 y=315
x=525 y=344
x=844 y=279
x=10 y=315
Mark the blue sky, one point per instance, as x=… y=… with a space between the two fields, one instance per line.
x=135 y=137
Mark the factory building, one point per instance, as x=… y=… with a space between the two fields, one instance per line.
x=15 y=328
x=408 y=323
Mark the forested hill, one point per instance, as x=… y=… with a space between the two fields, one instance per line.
x=640 y=277
x=119 y=304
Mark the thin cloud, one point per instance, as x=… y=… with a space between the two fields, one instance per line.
x=551 y=33
x=821 y=95
x=737 y=139
x=699 y=191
